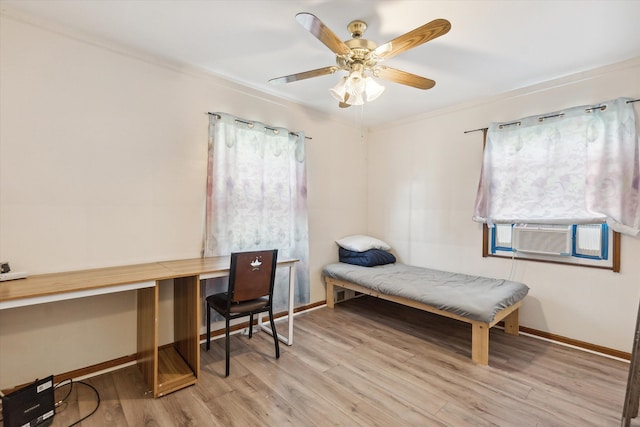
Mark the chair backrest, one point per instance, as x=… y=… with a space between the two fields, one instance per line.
x=252 y=274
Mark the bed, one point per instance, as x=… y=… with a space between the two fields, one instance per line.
x=483 y=302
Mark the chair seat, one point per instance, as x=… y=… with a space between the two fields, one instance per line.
x=219 y=303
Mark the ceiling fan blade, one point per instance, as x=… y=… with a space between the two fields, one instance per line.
x=420 y=35
x=304 y=75
x=315 y=26
x=403 y=77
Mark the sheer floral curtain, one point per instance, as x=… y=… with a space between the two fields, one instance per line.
x=579 y=165
x=257 y=196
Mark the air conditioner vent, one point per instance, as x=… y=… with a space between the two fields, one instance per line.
x=542 y=239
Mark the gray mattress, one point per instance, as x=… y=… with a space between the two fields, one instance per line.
x=472 y=297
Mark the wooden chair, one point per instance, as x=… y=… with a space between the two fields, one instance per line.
x=251 y=280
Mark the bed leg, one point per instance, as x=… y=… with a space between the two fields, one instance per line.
x=330 y=301
x=512 y=323
x=480 y=343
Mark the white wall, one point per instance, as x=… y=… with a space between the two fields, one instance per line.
x=103 y=162
x=423 y=176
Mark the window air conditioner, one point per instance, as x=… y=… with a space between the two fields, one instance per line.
x=542 y=239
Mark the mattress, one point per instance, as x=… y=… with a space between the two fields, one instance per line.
x=473 y=297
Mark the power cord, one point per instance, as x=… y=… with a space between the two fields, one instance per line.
x=513 y=264
x=62 y=401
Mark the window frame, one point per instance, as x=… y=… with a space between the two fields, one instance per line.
x=614 y=244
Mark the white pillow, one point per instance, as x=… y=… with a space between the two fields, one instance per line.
x=361 y=243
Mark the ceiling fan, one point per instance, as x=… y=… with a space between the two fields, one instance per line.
x=360 y=58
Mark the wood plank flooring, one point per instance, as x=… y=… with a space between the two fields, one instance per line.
x=370 y=362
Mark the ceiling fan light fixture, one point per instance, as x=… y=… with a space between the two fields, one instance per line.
x=356 y=88
x=373 y=89
x=355 y=97
x=340 y=90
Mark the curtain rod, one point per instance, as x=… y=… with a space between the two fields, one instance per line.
x=251 y=123
x=476 y=130
x=547 y=117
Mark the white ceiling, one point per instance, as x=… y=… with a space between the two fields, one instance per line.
x=493 y=46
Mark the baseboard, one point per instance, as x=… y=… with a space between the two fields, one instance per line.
x=583 y=345
x=559 y=339
x=121 y=361
x=87 y=371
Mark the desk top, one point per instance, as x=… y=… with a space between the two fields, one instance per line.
x=109 y=277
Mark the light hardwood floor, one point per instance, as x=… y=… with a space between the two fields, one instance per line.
x=370 y=362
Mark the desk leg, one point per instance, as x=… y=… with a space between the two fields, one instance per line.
x=147 y=339
x=265 y=327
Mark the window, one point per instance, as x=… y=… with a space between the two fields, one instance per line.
x=549 y=169
x=592 y=245
x=579 y=166
x=257 y=197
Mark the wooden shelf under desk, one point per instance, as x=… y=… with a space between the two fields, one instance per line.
x=173 y=372
x=177 y=366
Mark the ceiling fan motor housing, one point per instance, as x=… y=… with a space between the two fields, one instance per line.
x=360 y=50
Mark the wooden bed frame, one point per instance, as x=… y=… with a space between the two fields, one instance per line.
x=479 y=330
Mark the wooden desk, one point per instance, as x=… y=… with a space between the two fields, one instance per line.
x=170 y=368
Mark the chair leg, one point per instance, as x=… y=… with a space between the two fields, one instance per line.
x=227 y=348
x=275 y=334
x=250 y=325
x=208 y=327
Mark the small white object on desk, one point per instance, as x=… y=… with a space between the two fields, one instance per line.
x=12 y=275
